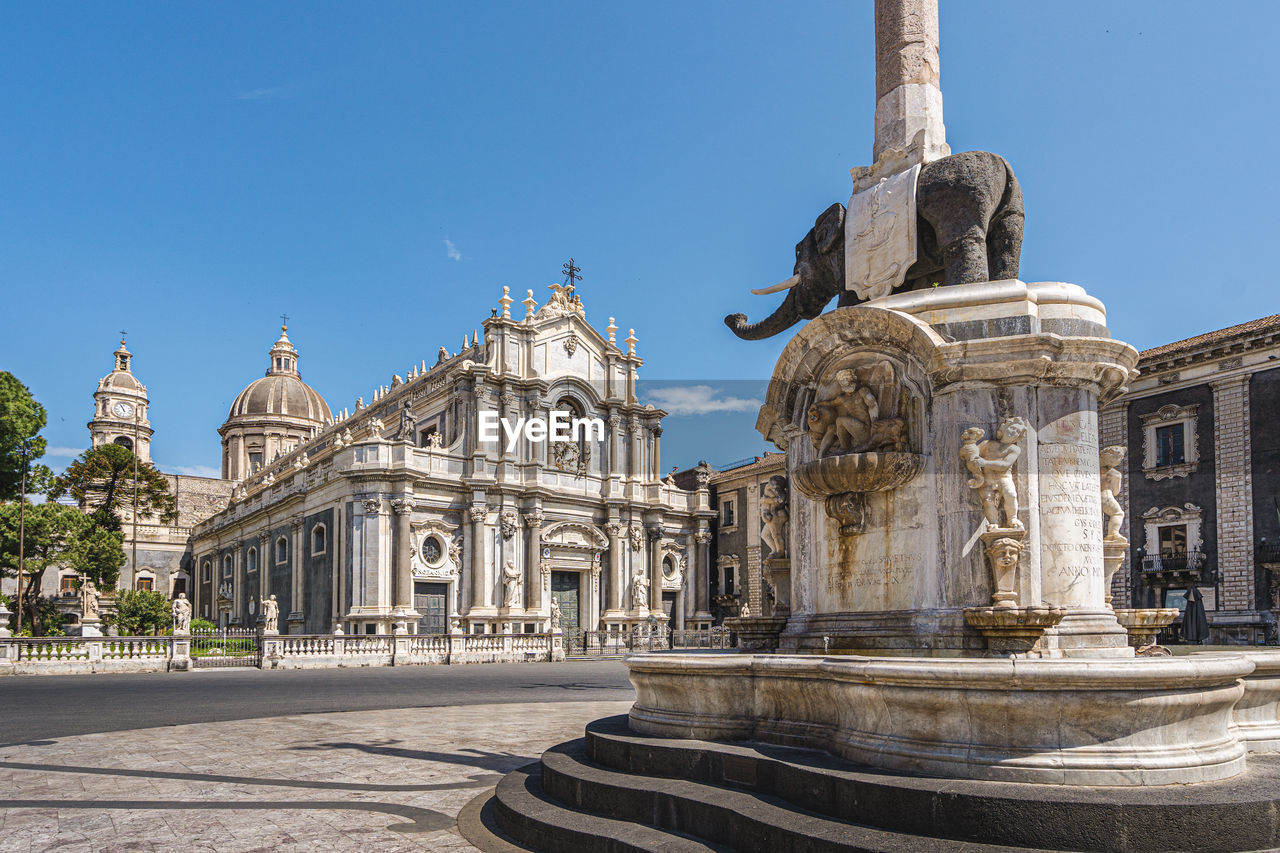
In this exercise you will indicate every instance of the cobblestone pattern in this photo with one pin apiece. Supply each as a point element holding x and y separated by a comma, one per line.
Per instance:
<point>1233,462</point>
<point>369,780</point>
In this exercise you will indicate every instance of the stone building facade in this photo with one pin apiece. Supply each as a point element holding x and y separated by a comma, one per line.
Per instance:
<point>747,499</point>
<point>409,513</point>
<point>1202,494</point>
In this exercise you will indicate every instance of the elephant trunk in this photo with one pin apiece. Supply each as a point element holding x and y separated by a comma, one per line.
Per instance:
<point>784,317</point>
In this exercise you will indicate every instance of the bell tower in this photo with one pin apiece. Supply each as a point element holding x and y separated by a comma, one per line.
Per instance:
<point>120,409</point>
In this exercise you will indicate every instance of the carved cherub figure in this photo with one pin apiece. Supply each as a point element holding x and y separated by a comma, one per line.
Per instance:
<point>774,515</point>
<point>969,454</point>
<point>1110,481</point>
<point>995,459</point>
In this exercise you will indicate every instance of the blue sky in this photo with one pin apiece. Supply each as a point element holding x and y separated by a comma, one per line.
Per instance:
<point>378,171</point>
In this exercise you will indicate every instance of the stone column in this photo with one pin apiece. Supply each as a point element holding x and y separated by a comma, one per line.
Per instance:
<point>657,453</point>
<point>264,564</point>
<point>613,589</point>
<point>654,535</point>
<point>297,609</point>
<point>702,573</point>
<point>1234,474</point>
<point>238,592</point>
<point>403,559</point>
<point>476,514</point>
<point>908,97</point>
<point>533,559</point>
<point>615,434</point>
<point>633,470</point>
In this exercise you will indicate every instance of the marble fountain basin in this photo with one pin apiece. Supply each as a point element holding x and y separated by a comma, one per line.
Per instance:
<point>857,473</point>
<point>1072,721</point>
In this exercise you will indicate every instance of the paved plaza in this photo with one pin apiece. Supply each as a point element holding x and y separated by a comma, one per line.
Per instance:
<point>392,775</point>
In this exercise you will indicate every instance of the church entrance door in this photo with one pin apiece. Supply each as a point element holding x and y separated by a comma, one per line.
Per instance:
<point>429,600</point>
<point>566,591</point>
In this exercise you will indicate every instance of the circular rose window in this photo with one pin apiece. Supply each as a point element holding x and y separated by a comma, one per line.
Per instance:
<point>433,551</point>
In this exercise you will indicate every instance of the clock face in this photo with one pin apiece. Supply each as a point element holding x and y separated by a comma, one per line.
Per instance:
<point>122,410</point>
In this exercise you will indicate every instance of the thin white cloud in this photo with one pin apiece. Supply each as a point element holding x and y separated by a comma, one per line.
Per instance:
<point>451,250</point>
<point>698,400</point>
<point>260,94</point>
<point>63,452</point>
<point>193,470</point>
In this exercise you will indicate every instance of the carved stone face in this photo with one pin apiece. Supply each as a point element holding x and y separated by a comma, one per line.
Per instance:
<point>971,435</point>
<point>1004,555</point>
<point>1011,432</point>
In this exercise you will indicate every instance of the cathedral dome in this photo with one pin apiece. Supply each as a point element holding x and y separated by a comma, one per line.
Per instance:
<point>280,394</point>
<point>272,416</point>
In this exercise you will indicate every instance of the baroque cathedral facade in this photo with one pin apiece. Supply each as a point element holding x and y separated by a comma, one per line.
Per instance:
<point>405,514</point>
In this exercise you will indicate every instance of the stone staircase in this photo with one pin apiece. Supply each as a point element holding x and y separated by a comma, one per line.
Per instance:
<point>614,791</point>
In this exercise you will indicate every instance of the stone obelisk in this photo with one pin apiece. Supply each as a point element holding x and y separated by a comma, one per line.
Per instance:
<point>908,123</point>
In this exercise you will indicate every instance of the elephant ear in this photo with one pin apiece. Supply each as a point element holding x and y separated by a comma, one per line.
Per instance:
<point>829,229</point>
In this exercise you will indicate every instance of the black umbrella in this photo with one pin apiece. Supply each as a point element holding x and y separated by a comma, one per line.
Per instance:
<point>1195,625</point>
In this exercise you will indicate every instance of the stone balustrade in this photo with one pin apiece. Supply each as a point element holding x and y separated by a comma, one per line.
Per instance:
<point>66,655</point>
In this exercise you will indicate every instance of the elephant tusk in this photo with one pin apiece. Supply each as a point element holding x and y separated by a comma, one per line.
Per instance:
<point>779,287</point>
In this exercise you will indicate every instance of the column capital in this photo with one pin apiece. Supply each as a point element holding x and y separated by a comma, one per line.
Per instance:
<point>1227,382</point>
<point>477,512</point>
<point>402,506</point>
<point>295,525</point>
<point>653,532</point>
<point>372,506</point>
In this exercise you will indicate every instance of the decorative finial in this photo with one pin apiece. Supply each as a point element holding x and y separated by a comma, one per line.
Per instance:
<point>631,342</point>
<point>505,302</point>
<point>612,329</point>
<point>529,304</point>
<point>284,322</point>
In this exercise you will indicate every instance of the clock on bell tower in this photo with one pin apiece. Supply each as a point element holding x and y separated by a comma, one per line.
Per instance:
<point>120,409</point>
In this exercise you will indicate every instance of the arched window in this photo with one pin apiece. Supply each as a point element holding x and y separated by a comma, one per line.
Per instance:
<point>251,560</point>
<point>319,539</point>
<point>226,566</point>
<point>124,441</point>
<point>282,549</point>
<point>206,572</point>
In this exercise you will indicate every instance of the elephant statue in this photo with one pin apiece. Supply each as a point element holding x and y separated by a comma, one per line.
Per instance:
<point>969,228</point>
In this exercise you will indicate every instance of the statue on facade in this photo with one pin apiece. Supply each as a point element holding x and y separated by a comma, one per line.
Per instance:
<point>775,516</point>
<point>270,614</point>
<point>991,464</point>
<point>404,432</point>
<point>555,615</point>
<point>1111,480</point>
<point>181,614</point>
<point>511,585</point>
<point>639,591</point>
<point>88,601</point>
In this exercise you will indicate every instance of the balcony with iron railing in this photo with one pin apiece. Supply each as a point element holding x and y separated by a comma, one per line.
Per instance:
<point>1192,564</point>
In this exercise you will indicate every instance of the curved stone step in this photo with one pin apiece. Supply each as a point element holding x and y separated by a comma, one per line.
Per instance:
<point>528,815</point>
<point>1233,815</point>
<point>740,820</point>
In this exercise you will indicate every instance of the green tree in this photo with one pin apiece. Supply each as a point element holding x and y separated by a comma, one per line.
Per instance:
<point>54,535</point>
<point>21,419</point>
<point>102,481</point>
<point>142,612</point>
